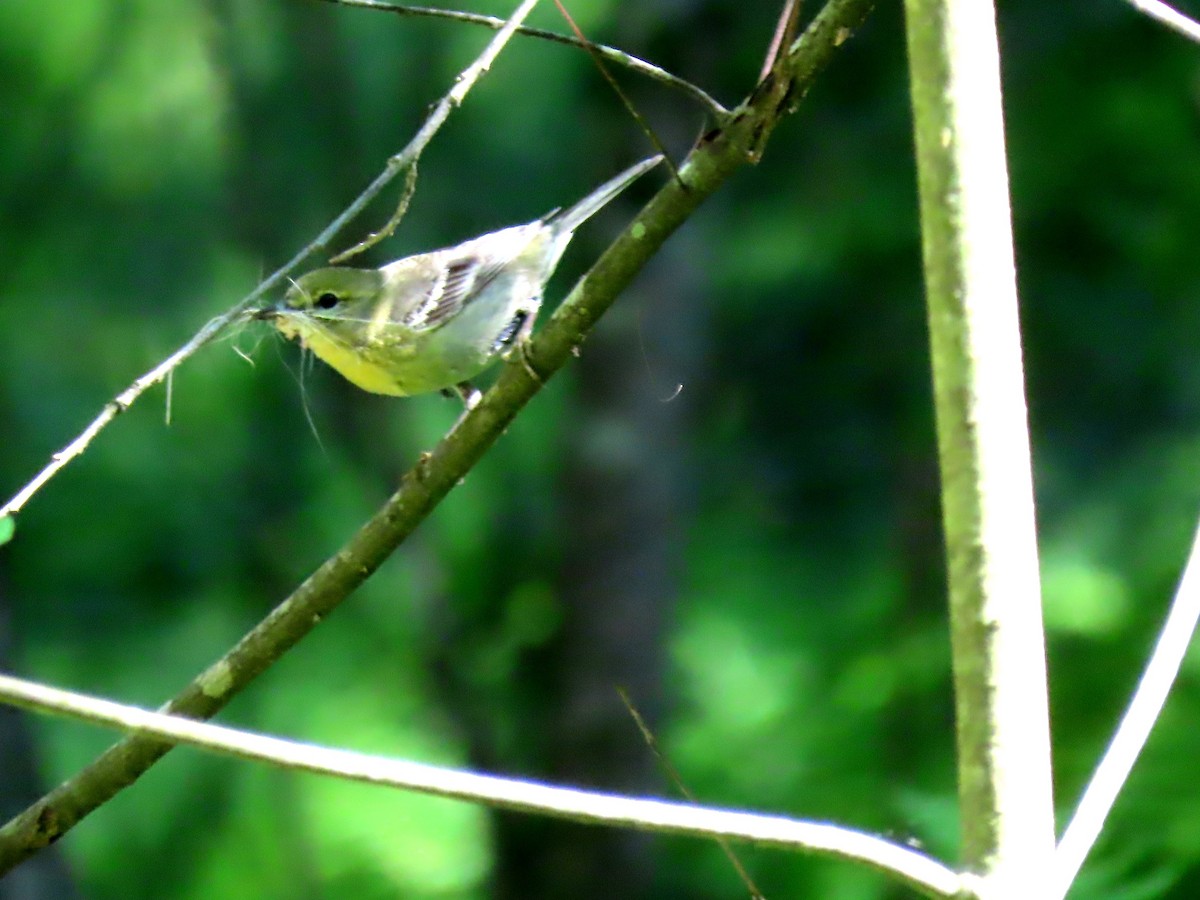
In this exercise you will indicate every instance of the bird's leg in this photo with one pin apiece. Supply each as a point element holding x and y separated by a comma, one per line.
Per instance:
<point>517,329</point>
<point>516,339</point>
<point>522,350</point>
<point>467,393</point>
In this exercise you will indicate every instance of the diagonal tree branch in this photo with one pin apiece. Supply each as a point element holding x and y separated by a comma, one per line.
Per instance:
<point>719,154</point>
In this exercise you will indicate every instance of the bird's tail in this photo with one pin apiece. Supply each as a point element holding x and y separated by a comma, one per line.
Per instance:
<point>567,220</point>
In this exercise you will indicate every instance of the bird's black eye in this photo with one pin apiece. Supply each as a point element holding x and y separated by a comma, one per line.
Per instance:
<point>327,300</point>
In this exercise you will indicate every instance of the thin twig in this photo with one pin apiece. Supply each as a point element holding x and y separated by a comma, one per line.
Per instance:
<point>715,109</point>
<point>915,869</point>
<point>598,59</point>
<point>410,188</point>
<point>785,33</point>
<point>673,774</point>
<point>402,160</point>
<point>1131,735</point>
<point>1177,21</point>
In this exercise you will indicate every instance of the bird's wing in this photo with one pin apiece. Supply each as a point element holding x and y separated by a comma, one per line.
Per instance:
<point>430,289</point>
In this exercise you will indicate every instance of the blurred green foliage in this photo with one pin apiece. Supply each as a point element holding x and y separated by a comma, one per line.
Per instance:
<point>158,158</point>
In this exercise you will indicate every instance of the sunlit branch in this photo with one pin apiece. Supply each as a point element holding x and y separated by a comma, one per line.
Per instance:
<point>997,640</point>
<point>1131,735</point>
<point>902,863</point>
<point>1173,19</point>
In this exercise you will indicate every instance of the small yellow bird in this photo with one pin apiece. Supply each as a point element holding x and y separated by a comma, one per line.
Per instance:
<point>435,320</point>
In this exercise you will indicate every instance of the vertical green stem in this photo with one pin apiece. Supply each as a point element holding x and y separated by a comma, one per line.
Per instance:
<point>1005,788</point>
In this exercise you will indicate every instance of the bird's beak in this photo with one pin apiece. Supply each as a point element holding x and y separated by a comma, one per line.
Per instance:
<point>267,313</point>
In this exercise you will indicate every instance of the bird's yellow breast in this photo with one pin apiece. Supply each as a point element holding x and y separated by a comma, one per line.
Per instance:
<point>354,366</point>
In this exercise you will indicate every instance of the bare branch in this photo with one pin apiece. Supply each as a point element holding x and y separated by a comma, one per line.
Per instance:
<point>1144,709</point>
<point>1177,21</point>
<point>410,188</point>
<point>672,773</point>
<point>785,33</point>
<point>915,869</point>
<point>997,638</point>
<point>598,58</point>
<point>620,57</point>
